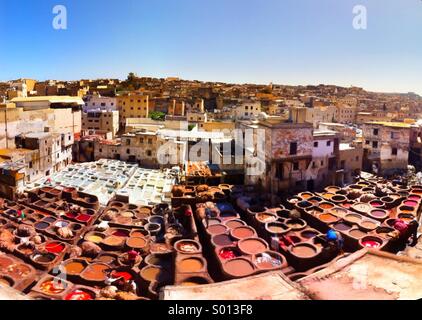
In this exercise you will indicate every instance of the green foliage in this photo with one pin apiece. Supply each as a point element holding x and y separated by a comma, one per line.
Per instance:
<point>157,115</point>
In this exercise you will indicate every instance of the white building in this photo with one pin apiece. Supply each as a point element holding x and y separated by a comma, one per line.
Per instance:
<point>100,103</point>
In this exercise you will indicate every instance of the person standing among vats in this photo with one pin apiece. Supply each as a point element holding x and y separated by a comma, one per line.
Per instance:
<point>403,232</point>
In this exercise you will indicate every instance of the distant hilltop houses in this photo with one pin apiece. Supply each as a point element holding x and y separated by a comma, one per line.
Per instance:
<point>315,135</point>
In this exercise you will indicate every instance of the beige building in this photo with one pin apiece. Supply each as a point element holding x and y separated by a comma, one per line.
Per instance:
<point>349,162</point>
<point>133,106</point>
<point>101,121</point>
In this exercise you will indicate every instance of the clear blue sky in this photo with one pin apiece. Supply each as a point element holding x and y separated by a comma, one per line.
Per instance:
<point>283,41</point>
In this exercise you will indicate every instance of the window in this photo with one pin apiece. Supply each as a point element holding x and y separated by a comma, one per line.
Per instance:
<point>374,144</point>
<point>316,144</point>
<point>149,153</point>
<point>128,142</point>
<point>322,163</point>
<point>293,148</point>
<point>375,132</point>
<point>394,151</point>
<point>367,141</point>
<point>328,143</point>
<point>101,150</point>
<point>357,158</point>
<point>394,135</point>
<point>295,166</point>
<point>128,151</point>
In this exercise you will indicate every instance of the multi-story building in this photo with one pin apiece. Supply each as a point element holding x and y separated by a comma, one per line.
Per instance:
<point>133,106</point>
<point>349,162</point>
<point>93,103</point>
<point>101,121</point>
<point>386,146</point>
<point>246,110</point>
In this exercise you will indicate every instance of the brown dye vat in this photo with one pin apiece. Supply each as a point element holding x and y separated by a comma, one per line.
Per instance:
<point>217,229</point>
<point>295,224</point>
<point>152,273</point>
<point>136,243</point>
<point>253,245</point>
<point>235,223</point>
<point>19,270</point>
<point>107,259</point>
<point>44,258</point>
<point>96,272</point>
<point>114,241</point>
<point>127,214</point>
<point>353,218</point>
<point>327,218</point>
<point>304,250</point>
<point>123,220</point>
<point>406,217</point>
<point>191,265</point>
<point>309,234</point>
<point>195,281</point>
<point>265,217</point>
<point>74,267</point>
<point>136,234</point>
<point>341,226</point>
<point>222,240</point>
<point>357,233</point>
<point>368,225</point>
<point>213,221</point>
<point>276,227</point>
<point>239,267</point>
<point>362,207</point>
<point>243,232</point>
<point>188,246</point>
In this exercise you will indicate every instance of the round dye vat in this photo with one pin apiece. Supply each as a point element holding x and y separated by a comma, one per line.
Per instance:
<point>107,259</point>
<point>71,215</point>
<point>83,218</point>
<point>305,195</point>
<point>295,224</point>
<point>414,197</point>
<point>49,219</point>
<point>18,270</point>
<point>121,233</point>
<point>127,214</point>
<point>122,274</point>
<point>328,218</point>
<point>42,225</point>
<point>239,267</point>
<point>342,226</point>
<point>243,232</point>
<point>191,265</point>
<point>188,246</point>
<point>152,273</point>
<point>44,258</point>
<point>54,247</point>
<point>326,206</point>
<point>222,240</point>
<point>79,295</point>
<point>369,225</point>
<point>74,267</point>
<point>52,287</point>
<point>61,224</point>
<point>94,238</point>
<point>376,203</point>
<point>96,272</point>
<point>213,221</point>
<point>253,245</point>
<point>353,218</point>
<point>378,213</point>
<point>137,234</point>
<point>276,227</point>
<point>371,242</point>
<point>123,220</point>
<point>406,217</point>
<point>136,242</point>
<point>227,254</point>
<point>114,241</point>
<point>266,217</point>
<point>356,233</point>
<point>308,234</point>
<point>304,250</point>
<point>410,203</point>
<point>232,224</point>
<point>217,229</point>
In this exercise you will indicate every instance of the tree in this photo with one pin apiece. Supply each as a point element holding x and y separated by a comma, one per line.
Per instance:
<point>157,115</point>
<point>131,77</point>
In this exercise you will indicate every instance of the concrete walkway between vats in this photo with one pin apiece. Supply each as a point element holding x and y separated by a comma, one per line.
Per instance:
<point>11,294</point>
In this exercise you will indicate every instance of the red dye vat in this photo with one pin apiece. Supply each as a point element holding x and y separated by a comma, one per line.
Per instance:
<point>346,205</point>
<point>227,254</point>
<point>54,247</point>
<point>371,244</point>
<point>83,217</point>
<point>125,275</point>
<point>414,198</point>
<point>71,215</point>
<point>121,233</point>
<point>411,203</point>
<point>79,295</point>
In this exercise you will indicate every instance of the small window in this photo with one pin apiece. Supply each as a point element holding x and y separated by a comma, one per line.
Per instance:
<point>328,143</point>
<point>128,151</point>
<point>295,166</point>
<point>149,153</point>
<point>367,141</point>
<point>374,144</point>
<point>394,151</point>
<point>293,148</point>
<point>375,132</point>
<point>316,144</point>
